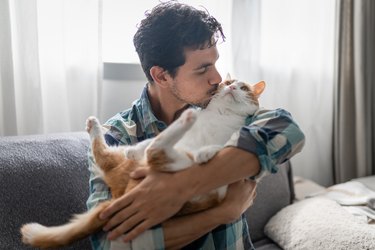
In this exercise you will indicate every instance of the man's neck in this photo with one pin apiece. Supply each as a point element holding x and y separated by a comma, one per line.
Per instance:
<point>164,105</point>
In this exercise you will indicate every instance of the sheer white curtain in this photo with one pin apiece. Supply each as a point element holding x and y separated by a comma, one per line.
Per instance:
<point>50,69</point>
<point>290,45</point>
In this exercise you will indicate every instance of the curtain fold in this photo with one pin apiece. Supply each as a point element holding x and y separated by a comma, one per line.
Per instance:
<point>50,65</point>
<point>291,47</point>
<point>20,68</point>
<point>354,125</point>
<point>7,98</point>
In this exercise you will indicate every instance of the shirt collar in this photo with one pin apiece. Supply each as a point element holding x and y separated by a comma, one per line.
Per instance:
<point>147,113</point>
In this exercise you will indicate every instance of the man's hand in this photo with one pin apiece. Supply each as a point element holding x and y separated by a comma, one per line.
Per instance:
<point>239,198</point>
<point>157,198</point>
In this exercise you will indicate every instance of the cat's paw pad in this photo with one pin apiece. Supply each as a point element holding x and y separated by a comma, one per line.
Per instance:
<point>92,123</point>
<point>188,117</point>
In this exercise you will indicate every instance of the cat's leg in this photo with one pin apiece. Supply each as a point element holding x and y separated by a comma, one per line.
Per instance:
<point>137,151</point>
<point>205,153</point>
<point>161,154</point>
<point>94,129</point>
<point>175,131</point>
<point>105,157</point>
<point>233,139</point>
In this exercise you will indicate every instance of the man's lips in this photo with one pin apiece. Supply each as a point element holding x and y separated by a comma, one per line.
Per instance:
<point>213,91</point>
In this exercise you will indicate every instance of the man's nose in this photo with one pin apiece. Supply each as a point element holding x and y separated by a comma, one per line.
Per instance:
<point>215,78</point>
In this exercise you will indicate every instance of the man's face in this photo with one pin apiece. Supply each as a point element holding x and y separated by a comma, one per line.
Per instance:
<point>197,80</point>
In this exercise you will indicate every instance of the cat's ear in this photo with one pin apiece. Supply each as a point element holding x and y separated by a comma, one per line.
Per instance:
<point>259,88</point>
<point>228,77</point>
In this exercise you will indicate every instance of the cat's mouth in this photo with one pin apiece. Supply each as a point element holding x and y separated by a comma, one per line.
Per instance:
<point>232,96</point>
<point>230,93</point>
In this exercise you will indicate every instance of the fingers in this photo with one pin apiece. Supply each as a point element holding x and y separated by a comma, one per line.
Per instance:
<point>118,218</point>
<point>139,173</point>
<point>126,226</point>
<point>136,231</point>
<point>117,205</point>
<point>251,183</point>
<point>252,188</point>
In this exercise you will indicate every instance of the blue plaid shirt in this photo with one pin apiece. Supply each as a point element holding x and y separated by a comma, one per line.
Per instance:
<point>272,135</point>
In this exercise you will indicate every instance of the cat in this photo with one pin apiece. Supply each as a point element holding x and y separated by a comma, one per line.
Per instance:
<point>195,137</point>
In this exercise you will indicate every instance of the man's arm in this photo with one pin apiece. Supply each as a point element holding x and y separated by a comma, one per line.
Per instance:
<point>271,137</point>
<point>161,194</point>
<point>179,232</point>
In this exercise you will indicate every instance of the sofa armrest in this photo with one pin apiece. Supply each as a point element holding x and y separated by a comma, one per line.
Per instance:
<point>274,192</point>
<point>44,179</point>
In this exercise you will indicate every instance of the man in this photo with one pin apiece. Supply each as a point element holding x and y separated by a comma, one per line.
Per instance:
<point>176,45</point>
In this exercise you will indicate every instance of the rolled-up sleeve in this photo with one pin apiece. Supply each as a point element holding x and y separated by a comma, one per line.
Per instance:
<point>272,135</point>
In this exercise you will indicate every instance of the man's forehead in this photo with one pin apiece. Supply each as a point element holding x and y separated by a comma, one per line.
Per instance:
<point>201,56</point>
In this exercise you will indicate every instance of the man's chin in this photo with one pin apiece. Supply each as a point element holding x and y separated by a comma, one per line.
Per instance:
<point>203,104</point>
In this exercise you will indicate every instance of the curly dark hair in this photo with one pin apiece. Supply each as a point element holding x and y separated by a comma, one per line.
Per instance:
<point>170,28</point>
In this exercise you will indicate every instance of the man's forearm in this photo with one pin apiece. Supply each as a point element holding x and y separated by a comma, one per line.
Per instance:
<point>180,231</point>
<point>229,165</point>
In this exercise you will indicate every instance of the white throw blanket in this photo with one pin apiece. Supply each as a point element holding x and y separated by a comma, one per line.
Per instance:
<point>320,224</point>
<point>353,196</point>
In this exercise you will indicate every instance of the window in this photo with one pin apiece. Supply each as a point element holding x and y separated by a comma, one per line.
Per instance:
<point>120,19</point>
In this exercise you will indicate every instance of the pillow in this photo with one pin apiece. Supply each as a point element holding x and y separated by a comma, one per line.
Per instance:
<point>319,223</point>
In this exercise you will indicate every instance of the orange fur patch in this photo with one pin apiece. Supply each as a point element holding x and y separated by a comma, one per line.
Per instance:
<point>206,202</point>
<point>158,159</point>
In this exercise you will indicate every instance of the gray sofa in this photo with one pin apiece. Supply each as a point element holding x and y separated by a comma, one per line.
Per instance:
<point>44,178</point>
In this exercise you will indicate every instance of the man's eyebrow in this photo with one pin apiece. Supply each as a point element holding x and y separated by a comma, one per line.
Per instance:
<point>203,65</point>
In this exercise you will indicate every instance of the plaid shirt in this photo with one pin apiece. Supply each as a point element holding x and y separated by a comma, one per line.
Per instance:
<point>272,135</point>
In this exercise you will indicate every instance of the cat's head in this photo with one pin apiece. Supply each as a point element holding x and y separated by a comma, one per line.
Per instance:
<point>238,96</point>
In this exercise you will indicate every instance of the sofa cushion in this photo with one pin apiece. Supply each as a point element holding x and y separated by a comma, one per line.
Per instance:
<point>274,192</point>
<point>44,179</point>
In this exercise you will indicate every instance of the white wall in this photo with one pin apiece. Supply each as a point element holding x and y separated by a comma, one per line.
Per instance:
<point>119,95</point>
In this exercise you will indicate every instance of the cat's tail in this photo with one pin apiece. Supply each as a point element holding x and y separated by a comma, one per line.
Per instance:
<point>81,226</point>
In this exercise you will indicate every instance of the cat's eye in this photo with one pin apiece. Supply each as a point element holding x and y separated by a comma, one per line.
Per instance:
<point>227,83</point>
<point>244,88</point>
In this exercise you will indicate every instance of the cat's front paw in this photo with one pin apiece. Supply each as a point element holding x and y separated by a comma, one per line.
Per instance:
<point>93,126</point>
<point>206,153</point>
<point>188,117</point>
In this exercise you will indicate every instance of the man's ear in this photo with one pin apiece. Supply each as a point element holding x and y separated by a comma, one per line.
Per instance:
<point>160,76</point>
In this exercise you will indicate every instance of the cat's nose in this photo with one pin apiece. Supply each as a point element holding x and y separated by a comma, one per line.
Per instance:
<point>232,87</point>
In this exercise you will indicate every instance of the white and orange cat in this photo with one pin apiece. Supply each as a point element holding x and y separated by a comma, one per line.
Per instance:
<point>195,137</point>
